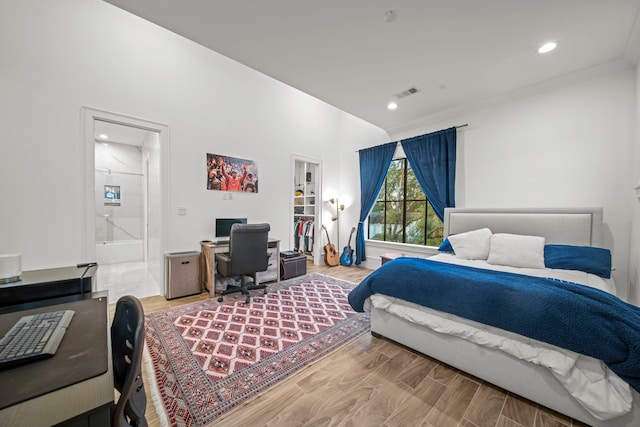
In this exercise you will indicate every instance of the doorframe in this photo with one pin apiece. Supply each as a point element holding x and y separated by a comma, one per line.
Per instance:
<point>89,116</point>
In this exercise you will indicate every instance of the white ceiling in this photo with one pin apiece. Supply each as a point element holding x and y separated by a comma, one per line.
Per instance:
<point>458,53</point>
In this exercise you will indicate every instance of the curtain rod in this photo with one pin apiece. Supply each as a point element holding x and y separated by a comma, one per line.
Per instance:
<point>457,127</point>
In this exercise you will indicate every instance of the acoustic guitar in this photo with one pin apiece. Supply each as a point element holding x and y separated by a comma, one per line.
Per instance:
<point>346,258</point>
<point>330,254</point>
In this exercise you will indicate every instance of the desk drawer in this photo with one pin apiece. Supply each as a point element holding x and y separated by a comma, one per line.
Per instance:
<point>271,273</point>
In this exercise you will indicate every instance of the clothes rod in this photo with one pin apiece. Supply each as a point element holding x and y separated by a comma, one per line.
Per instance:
<point>457,127</point>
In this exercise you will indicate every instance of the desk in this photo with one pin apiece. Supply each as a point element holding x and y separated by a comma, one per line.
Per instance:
<point>75,384</point>
<point>210,249</point>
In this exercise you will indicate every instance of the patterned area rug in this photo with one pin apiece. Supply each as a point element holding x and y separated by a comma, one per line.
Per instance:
<point>209,358</point>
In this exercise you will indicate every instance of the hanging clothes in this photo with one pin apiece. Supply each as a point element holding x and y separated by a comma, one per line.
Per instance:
<point>303,236</point>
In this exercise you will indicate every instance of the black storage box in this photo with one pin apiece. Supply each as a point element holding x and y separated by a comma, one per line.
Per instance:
<point>293,267</point>
<point>289,254</point>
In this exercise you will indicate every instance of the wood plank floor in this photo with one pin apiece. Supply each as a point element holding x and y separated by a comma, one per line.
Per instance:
<point>375,382</point>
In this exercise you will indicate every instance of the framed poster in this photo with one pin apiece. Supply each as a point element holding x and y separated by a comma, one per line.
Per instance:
<point>225,173</point>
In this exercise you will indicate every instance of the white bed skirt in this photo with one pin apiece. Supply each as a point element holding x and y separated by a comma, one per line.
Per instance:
<point>530,381</point>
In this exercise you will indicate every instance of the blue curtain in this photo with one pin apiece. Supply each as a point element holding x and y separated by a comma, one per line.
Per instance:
<point>433,159</point>
<point>374,164</point>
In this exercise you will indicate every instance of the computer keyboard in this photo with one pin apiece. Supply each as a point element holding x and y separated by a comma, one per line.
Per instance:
<point>34,337</point>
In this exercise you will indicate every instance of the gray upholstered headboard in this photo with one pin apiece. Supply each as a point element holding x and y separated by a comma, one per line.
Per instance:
<point>569,226</point>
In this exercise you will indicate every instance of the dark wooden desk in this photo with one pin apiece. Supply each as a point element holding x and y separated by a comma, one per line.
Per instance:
<point>75,384</point>
<point>48,286</point>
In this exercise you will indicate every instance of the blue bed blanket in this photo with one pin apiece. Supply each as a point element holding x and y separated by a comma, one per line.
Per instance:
<point>568,315</point>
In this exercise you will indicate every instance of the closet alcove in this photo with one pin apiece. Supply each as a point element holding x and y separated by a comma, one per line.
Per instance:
<point>306,207</point>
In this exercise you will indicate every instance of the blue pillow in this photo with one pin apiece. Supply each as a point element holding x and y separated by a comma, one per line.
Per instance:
<point>446,247</point>
<point>583,258</point>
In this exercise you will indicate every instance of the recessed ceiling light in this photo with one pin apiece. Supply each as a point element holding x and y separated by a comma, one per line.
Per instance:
<point>103,136</point>
<point>547,47</point>
<point>392,105</point>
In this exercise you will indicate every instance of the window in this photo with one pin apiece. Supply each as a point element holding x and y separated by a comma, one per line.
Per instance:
<point>402,212</point>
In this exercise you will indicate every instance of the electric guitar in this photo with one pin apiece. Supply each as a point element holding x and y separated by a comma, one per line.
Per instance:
<point>330,254</point>
<point>346,258</point>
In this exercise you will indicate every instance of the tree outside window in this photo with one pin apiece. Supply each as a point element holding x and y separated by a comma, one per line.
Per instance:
<point>402,212</point>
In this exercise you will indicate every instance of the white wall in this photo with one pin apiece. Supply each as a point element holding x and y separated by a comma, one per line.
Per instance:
<point>60,56</point>
<point>634,252</point>
<point>567,147</point>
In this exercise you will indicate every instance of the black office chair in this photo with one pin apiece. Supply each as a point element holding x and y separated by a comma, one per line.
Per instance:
<point>247,255</point>
<point>127,341</point>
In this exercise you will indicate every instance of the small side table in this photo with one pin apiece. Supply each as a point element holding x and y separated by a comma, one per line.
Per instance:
<point>386,257</point>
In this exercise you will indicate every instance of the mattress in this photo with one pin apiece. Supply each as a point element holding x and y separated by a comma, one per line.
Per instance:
<point>599,390</point>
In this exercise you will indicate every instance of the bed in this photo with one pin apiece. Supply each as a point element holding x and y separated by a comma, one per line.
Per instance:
<point>562,380</point>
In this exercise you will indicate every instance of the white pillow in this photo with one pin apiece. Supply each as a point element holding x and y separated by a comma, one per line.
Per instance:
<point>517,250</point>
<point>472,244</point>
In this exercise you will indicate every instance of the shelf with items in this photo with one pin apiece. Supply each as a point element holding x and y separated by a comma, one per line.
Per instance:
<point>304,205</point>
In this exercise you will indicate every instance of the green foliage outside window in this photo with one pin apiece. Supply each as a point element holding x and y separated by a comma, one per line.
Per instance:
<point>402,212</point>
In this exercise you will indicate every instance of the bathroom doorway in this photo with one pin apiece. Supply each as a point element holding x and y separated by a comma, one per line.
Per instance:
<point>121,184</point>
<point>125,190</point>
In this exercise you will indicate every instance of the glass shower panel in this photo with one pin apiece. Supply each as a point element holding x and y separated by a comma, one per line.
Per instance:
<point>119,193</point>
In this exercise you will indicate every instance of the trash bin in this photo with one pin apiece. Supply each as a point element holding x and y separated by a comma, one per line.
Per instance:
<point>182,274</point>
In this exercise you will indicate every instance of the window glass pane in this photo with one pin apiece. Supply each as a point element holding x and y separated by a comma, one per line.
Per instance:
<point>435,228</point>
<point>376,222</point>
<point>394,225</point>
<point>395,180</point>
<point>382,193</point>
<point>388,221</point>
<point>414,191</point>
<point>416,222</point>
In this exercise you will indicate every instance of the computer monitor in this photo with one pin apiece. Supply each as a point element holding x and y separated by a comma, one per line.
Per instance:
<point>223,226</point>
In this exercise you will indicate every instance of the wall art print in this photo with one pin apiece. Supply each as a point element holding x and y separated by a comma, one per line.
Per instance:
<point>225,173</point>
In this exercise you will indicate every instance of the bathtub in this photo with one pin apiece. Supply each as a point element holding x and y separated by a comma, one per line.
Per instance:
<point>119,251</point>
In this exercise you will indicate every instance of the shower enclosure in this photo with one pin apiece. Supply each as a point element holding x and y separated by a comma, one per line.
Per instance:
<point>120,182</point>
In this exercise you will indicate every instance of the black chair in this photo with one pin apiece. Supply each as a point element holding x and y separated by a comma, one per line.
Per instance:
<point>127,342</point>
<point>247,255</point>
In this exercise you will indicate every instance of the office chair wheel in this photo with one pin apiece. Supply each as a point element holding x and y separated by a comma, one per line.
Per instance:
<point>220,299</point>
<point>248,299</point>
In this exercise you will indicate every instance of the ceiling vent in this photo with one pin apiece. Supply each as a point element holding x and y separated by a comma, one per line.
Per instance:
<point>407,92</point>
